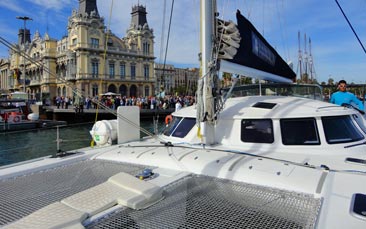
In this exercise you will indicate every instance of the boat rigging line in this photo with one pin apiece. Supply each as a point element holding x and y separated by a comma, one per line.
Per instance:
<point>350,25</point>
<point>321,167</point>
<point>104,57</point>
<point>63,80</point>
<point>167,41</point>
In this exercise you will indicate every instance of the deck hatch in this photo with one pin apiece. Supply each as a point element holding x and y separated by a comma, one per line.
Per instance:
<point>265,105</point>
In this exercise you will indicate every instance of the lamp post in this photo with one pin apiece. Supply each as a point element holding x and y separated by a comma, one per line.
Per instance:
<point>25,19</point>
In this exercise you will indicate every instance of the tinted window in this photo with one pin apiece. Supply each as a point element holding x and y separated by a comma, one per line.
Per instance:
<point>172,125</point>
<point>179,127</point>
<point>359,121</point>
<point>340,129</point>
<point>184,127</point>
<point>299,132</point>
<point>257,130</point>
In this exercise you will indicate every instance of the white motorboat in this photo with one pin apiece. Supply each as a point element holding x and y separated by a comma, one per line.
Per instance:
<point>15,115</point>
<point>261,162</point>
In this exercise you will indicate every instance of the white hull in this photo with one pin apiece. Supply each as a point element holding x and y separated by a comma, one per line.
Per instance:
<point>317,178</point>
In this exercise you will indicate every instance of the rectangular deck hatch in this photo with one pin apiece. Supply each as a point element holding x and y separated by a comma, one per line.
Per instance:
<point>264,105</point>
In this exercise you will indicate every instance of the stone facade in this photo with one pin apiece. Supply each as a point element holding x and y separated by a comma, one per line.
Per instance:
<point>170,79</point>
<point>5,79</point>
<point>88,59</point>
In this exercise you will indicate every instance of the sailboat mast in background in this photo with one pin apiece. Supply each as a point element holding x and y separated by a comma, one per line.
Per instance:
<point>306,62</point>
<point>299,65</point>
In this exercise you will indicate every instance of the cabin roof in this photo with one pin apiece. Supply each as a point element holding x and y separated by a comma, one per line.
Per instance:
<point>273,107</point>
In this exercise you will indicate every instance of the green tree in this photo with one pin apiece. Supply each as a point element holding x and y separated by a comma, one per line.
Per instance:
<point>330,81</point>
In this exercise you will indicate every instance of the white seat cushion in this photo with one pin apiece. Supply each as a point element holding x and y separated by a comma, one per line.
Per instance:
<point>129,182</point>
<point>122,189</point>
<point>98,198</point>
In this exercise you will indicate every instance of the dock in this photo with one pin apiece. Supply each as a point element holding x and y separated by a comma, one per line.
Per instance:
<point>89,115</point>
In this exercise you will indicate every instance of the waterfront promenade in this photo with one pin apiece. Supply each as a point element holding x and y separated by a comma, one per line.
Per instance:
<point>88,115</point>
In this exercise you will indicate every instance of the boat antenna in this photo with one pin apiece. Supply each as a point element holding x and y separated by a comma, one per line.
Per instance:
<point>350,25</point>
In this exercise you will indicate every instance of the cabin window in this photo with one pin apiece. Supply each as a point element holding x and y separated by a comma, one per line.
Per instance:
<point>179,127</point>
<point>360,123</point>
<point>340,129</point>
<point>300,131</point>
<point>257,130</point>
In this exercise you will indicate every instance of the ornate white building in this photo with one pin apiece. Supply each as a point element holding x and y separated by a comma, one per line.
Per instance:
<point>89,58</point>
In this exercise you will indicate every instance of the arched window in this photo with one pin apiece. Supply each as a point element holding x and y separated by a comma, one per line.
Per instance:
<point>133,91</point>
<point>95,90</point>
<point>112,88</point>
<point>147,90</point>
<point>146,48</point>
<point>123,90</point>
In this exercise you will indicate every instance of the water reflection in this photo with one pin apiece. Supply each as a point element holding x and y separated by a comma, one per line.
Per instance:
<point>25,145</point>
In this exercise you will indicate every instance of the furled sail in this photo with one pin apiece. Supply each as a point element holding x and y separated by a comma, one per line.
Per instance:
<point>244,51</point>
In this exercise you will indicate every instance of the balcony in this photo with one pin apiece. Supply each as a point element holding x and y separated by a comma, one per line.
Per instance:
<point>35,83</point>
<point>71,77</point>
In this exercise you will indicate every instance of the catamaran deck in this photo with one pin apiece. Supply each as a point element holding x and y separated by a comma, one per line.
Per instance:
<point>191,202</point>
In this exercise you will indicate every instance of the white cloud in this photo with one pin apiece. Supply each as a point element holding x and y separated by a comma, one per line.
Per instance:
<point>12,5</point>
<point>333,42</point>
<point>56,5</point>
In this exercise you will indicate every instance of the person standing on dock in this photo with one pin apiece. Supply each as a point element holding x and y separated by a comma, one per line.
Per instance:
<point>58,102</point>
<point>66,100</point>
<point>343,97</point>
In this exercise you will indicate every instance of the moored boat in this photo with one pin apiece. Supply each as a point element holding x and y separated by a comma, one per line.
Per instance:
<point>15,114</point>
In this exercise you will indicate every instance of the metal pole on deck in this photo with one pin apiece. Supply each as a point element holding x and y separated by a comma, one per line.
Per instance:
<point>207,19</point>
<point>58,140</point>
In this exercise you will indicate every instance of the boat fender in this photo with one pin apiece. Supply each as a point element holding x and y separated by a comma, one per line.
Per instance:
<point>168,119</point>
<point>33,116</point>
<point>104,132</point>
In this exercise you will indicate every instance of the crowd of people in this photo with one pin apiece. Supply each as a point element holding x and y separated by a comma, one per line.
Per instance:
<point>113,102</point>
<point>341,97</point>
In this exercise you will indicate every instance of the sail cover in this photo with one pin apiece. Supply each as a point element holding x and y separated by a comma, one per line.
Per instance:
<point>253,56</point>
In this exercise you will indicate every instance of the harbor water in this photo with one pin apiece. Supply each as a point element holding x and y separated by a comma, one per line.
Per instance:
<point>26,145</point>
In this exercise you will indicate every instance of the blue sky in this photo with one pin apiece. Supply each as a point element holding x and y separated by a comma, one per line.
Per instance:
<point>335,50</point>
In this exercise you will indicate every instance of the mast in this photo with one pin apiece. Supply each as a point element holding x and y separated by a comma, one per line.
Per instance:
<point>300,56</point>
<point>207,35</point>
<point>306,61</point>
<point>311,63</point>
